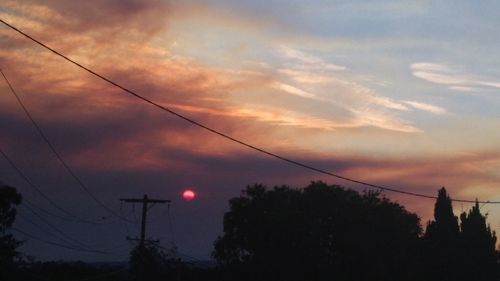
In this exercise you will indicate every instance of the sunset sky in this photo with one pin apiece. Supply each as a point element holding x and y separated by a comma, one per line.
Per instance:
<point>398,93</point>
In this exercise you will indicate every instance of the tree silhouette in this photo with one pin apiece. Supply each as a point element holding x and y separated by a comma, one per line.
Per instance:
<point>478,243</point>
<point>453,253</point>
<point>441,256</point>
<point>148,262</point>
<point>9,198</point>
<point>445,224</point>
<point>317,233</point>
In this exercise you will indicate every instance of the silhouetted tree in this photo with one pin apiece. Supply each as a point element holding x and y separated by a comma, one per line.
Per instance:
<point>445,224</point>
<point>148,262</point>
<point>498,262</point>
<point>441,253</point>
<point>478,244</point>
<point>9,198</point>
<point>317,233</point>
<point>453,253</point>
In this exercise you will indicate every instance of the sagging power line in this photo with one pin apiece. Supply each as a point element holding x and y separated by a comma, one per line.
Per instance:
<point>70,215</point>
<point>60,245</point>
<point>45,226</point>
<point>58,155</point>
<point>228,137</point>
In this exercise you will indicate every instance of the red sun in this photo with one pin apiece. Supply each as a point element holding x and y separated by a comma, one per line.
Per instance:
<point>188,195</point>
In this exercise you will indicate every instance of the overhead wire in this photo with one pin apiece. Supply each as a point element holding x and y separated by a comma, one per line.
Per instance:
<point>136,219</point>
<point>57,154</point>
<point>62,233</point>
<point>67,239</point>
<point>30,206</point>
<point>184,257</point>
<point>25,233</point>
<point>228,137</point>
<point>171,229</point>
<point>43,229</point>
<point>51,214</point>
<point>170,235</point>
<point>39,191</point>
<point>127,230</point>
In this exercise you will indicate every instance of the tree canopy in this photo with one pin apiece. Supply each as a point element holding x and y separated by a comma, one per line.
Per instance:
<point>9,199</point>
<point>319,232</point>
<point>478,243</point>
<point>149,262</point>
<point>316,232</point>
<point>453,252</point>
<point>441,242</point>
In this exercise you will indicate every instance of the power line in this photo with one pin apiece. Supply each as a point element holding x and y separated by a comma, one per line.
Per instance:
<point>214,131</point>
<point>44,230</point>
<point>70,241</point>
<point>127,230</point>
<point>62,233</point>
<point>175,251</point>
<point>30,203</point>
<point>54,151</point>
<point>30,206</point>
<point>170,225</point>
<point>65,236</point>
<point>147,204</point>
<point>33,186</point>
<point>55,243</point>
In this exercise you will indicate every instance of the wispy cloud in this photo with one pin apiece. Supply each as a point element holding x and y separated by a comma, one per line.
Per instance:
<point>293,90</point>
<point>454,79</point>
<point>271,115</point>
<point>427,66</point>
<point>427,107</point>
<point>305,77</point>
<point>329,83</point>
<point>387,103</point>
<point>310,61</point>
<point>462,88</point>
<point>380,119</point>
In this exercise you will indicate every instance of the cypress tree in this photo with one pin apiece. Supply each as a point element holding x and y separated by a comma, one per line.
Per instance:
<point>478,244</point>
<point>441,257</point>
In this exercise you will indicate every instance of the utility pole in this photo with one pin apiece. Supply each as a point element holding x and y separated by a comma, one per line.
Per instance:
<point>147,204</point>
<point>145,208</point>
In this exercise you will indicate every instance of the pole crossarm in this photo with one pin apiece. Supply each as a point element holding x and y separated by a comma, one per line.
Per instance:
<point>145,201</point>
<point>145,240</point>
<point>132,200</point>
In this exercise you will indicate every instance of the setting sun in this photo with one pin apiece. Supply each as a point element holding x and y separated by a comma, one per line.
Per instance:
<point>188,195</point>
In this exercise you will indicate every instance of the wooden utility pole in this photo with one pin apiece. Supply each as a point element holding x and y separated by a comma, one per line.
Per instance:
<point>145,201</point>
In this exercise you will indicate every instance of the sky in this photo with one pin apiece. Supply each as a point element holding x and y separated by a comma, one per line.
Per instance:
<point>396,93</point>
